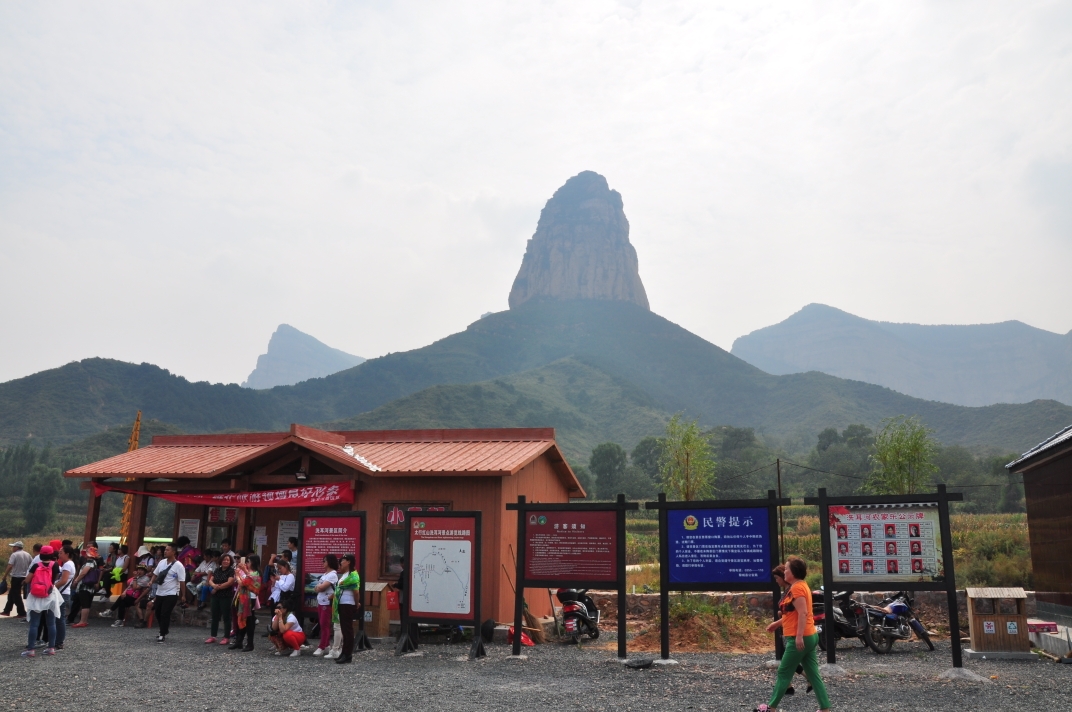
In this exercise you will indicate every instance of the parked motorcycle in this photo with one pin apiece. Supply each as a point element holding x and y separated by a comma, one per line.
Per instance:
<point>579,613</point>
<point>893,620</point>
<point>848,618</point>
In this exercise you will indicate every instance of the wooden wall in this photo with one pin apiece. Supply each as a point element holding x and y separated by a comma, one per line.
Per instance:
<point>1048,491</point>
<point>539,482</point>
<point>464,494</point>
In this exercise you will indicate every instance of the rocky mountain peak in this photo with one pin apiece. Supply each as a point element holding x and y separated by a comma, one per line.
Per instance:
<point>581,248</point>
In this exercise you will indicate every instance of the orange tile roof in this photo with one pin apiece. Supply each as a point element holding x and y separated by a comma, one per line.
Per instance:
<point>378,453</point>
<point>163,460</point>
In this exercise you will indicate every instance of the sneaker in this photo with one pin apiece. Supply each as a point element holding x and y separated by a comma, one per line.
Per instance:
<point>277,653</point>
<point>318,653</point>
<point>29,654</point>
<point>332,655</point>
<point>50,651</point>
<point>117,624</point>
<point>295,654</point>
<point>209,641</point>
<point>160,639</point>
<point>59,646</point>
<point>106,614</point>
<point>41,644</point>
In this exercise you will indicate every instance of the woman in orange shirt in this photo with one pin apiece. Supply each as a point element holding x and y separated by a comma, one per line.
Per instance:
<point>797,623</point>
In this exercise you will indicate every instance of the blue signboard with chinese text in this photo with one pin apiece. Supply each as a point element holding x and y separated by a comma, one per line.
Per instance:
<point>719,545</point>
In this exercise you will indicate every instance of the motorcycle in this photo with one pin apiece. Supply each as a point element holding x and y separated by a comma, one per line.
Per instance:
<point>893,620</point>
<point>847,618</point>
<point>579,613</point>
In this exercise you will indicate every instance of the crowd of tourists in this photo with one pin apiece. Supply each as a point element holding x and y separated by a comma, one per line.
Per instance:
<point>53,590</point>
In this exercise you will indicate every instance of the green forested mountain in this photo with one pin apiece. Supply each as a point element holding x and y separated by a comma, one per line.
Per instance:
<point>585,405</point>
<point>677,370</point>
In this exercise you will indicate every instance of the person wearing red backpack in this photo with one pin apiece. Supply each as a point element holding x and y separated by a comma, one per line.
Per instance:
<point>43,602</point>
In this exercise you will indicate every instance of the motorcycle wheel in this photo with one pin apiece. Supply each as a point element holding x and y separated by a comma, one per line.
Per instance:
<point>593,632</point>
<point>922,634</point>
<point>875,640</point>
<point>822,638</point>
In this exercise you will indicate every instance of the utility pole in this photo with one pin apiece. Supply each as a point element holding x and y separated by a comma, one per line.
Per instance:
<point>781,516</point>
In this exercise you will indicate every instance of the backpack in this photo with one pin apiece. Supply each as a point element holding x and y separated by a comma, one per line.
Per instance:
<point>41,583</point>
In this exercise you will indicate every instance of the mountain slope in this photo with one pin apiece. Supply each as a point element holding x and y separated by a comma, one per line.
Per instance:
<point>974,365</point>
<point>676,369</point>
<point>585,405</point>
<point>294,356</point>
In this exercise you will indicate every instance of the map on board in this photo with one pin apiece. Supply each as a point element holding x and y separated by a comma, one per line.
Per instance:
<point>441,576</point>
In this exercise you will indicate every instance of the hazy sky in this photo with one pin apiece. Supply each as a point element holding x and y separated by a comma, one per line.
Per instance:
<point>176,179</point>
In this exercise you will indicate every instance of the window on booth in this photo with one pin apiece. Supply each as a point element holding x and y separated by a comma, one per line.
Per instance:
<point>395,518</point>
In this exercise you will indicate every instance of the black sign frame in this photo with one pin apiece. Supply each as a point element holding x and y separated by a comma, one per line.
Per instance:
<point>405,642</point>
<point>361,640</point>
<point>771,504</point>
<point>522,508</point>
<point>942,498</point>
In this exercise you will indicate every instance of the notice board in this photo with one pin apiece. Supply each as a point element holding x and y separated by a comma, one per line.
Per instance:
<point>324,533</point>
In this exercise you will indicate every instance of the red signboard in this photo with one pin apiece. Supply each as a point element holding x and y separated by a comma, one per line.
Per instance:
<point>302,496</point>
<point>571,546</point>
<point>323,535</point>
<point>443,564</point>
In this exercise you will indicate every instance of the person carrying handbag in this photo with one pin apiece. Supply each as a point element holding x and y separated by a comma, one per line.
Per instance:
<point>170,576</point>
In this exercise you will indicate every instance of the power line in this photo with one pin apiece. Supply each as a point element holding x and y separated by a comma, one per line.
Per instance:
<point>745,474</point>
<point>825,472</point>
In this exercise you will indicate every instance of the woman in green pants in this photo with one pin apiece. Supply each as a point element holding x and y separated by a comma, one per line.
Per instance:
<point>797,622</point>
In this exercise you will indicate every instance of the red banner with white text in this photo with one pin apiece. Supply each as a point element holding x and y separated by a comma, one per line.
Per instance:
<point>304,496</point>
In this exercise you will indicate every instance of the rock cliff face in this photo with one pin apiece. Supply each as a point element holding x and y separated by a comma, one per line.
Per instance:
<point>581,248</point>
<point>293,357</point>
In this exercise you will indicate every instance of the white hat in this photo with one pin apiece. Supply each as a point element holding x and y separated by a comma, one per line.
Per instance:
<point>142,551</point>
<point>16,544</point>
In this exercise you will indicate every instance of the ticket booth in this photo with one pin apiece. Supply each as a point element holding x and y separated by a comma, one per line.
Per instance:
<point>249,488</point>
<point>997,620</point>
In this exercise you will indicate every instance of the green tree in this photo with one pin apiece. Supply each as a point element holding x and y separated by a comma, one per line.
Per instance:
<point>857,435</point>
<point>608,463</point>
<point>903,457</point>
<point>585,478</point>
<point>39,497</point>
<point>688,467</point>
<point>827,438</point>
<point>647,456</point>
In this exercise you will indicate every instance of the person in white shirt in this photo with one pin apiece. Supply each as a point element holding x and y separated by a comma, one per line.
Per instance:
<point>285,631</point>
<point>67,573</point>
<point>325,592</point>
<point>198,587</point>
<point>283,584</point>
<point>171,574</point>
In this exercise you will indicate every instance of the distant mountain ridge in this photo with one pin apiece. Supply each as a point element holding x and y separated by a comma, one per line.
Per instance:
<point>294,356</point>
<point>594,364</point>
<point>973,365</point>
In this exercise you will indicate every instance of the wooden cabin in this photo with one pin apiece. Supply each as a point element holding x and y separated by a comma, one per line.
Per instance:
<point>392,474</point>
<point>1047,472</point>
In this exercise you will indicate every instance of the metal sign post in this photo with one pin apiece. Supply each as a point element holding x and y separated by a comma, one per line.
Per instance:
<point>725,545</point>
<point>549,537</point>
<point>888,542</point>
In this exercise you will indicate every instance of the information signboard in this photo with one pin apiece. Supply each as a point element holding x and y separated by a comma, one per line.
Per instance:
<point>442,567</point>
<point>884,542</point>
<point>443,575</point>
<point>571,545</point>
<point>892,543</point>
<point>724,545</point>
<point>324,533</point>
<point>716,545</point>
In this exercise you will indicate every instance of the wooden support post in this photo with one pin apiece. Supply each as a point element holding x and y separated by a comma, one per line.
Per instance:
<point>241,542</point>
<point>92,519</point>
<point>138,515</point>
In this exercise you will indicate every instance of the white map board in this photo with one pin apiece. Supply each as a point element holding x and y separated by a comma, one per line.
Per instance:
<point>439,578</point>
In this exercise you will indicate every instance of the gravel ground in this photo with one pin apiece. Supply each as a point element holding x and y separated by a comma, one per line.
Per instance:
<point>125,669</point>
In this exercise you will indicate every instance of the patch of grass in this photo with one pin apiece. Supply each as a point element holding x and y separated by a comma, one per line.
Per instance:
<point>646,576</point>
<point>697,624</point>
